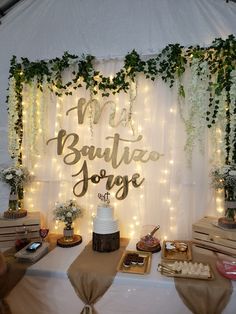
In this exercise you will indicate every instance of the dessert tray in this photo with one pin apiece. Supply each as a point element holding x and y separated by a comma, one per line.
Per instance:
<point>135,262</point>
<point>177,250</point>
<point>186,269</point>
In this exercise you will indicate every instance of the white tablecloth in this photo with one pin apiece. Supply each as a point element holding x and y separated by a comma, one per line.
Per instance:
<point>45,289</point>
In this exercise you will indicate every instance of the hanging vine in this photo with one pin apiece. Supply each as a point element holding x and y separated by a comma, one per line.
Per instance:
<point>169,65</point>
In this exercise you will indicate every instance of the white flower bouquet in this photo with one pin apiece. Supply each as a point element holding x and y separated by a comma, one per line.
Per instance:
<point>15,176</point>
<point>223,177</point>
<point>67,212</point>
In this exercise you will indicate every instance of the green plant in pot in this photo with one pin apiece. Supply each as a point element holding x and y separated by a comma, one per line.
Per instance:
<point>224,177</point>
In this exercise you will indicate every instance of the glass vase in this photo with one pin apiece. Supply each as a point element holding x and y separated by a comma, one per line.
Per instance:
<point>68,234</point>
<point>13,200</point>
<point>23,237</point>
<point>230,203</point>
<point>20,191</point>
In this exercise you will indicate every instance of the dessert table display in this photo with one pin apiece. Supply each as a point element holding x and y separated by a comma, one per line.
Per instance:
<point>46,288</point>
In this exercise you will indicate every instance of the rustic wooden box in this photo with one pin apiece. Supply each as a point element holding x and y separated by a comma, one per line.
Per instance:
<point>11,229</point>
<point>206,232</point>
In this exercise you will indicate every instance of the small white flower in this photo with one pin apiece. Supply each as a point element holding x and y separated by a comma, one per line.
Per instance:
<point>232,173</point>
<point>67,211</point>
<point>9,176</point>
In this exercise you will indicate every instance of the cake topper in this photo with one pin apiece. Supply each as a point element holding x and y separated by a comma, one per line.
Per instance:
<point>104,197</point>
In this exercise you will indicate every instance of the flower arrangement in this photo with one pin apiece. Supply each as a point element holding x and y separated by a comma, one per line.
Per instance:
<point>15,176</point>
<point>67,212</point>
<point>223,177</point>
<point>214,77</point>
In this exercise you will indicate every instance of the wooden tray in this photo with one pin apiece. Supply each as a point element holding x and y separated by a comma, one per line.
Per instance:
<point>188,276</point>
<point>136,269</point>
<point>177,255</point>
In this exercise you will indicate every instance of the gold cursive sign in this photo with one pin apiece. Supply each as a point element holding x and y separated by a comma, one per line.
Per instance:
<point>68,146</point>
<point>114,155</point>
<point>96,110</point>
<point>81,187</point>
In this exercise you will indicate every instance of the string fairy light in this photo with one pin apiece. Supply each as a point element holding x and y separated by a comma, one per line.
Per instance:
<point>85,137</point>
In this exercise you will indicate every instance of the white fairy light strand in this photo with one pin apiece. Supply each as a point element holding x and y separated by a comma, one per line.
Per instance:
<point>193,108</point>
<point>232,114</point>
<point>13,141</point>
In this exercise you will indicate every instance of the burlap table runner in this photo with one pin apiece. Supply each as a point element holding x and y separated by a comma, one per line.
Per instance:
<point>205,296</point>
<point>92,273</point>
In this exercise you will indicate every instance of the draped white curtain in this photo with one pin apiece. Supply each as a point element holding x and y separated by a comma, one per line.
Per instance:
<point>173,194</point>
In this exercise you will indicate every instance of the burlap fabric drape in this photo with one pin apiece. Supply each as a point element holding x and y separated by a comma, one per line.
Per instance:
<point>15,271</point>
<point>92,273</point>
<point>202,296</point>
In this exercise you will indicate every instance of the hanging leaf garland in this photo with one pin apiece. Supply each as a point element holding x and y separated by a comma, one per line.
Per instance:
<point>169,65</point>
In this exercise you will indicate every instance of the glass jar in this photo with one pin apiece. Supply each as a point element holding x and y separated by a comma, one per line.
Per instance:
<point>230,202</point>
<point>13,199</point>
<point>23,237</point>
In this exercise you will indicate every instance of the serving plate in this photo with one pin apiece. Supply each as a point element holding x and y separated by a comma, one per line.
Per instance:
<point>140,268</point>
<point>187,270</point>
<point>177,250</point>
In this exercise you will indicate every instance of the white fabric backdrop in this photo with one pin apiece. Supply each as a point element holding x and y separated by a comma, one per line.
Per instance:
<point>172,195</point>
<point>45,29</point>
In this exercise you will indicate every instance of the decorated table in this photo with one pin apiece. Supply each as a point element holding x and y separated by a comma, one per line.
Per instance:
<point>45,288</point>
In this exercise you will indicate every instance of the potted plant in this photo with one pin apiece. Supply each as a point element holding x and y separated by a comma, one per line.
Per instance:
<point>16,177</point>
<point>224,177</point>
<point>67,212</point>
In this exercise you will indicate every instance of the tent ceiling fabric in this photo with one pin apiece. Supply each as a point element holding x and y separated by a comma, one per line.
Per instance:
<point>108,28</point>
<point>6,5</point>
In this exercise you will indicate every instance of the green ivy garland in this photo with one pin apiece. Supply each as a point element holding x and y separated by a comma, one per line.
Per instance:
<point>169,65</point>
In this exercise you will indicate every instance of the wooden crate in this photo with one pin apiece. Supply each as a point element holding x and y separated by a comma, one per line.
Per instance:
<point>11,229</point>
<point>206,233</point>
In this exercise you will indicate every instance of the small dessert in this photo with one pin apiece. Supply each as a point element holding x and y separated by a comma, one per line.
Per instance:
<point>127,263</point>
<point>170,246</point>
<point>134,260</point>
<point>181,246</point>
<point>140,261</point>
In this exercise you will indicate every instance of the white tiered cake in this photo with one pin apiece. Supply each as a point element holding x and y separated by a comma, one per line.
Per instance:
<point>104,222</point>
<point>106,235</point>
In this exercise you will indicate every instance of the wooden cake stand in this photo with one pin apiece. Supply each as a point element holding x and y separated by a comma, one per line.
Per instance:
<point>15,214</point>
<point>63,242</point>
<point>226,223</point>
